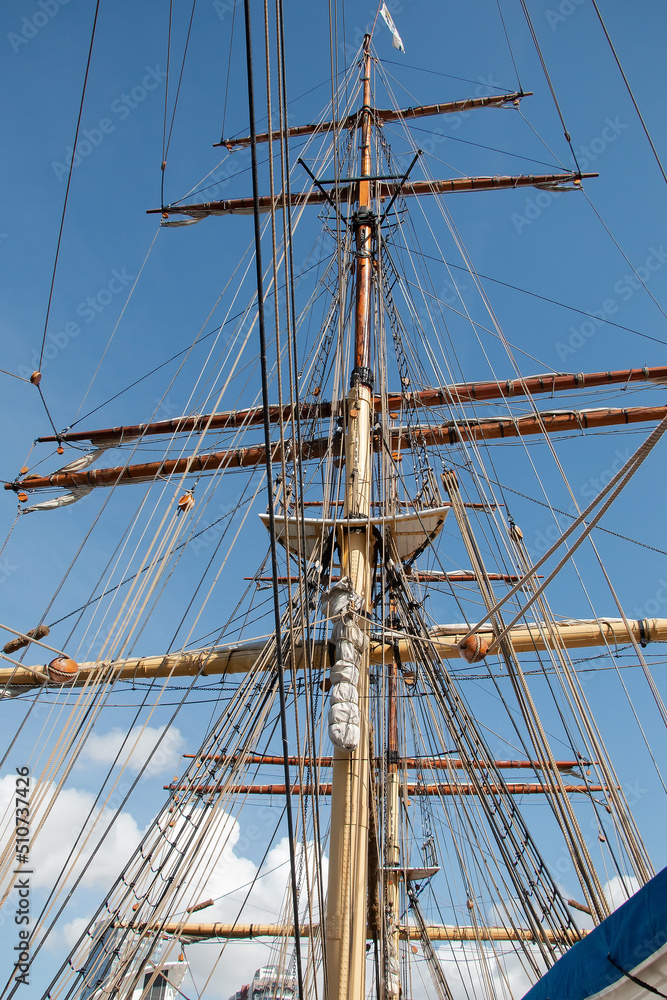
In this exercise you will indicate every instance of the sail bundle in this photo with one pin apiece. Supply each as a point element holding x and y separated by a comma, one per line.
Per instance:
<point>343,605</point>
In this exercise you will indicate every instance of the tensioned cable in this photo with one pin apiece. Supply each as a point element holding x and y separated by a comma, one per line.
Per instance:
<point>48,412</point>
<point>598,527</point>
<point>535,295</point>
<point>433,72</point>
<point>632,96</point>
<point>295,408</point>
<point>509,45</point>
<point>271,510</point>
<point>129,579</point>
<point>229,69</point>
<point>117,324</point>
<point>180,80</point>
<point>623,254</point>
<point>610,492</point>
<point>69,181</point>
<point>479,145</point>
<point>549,83</point>
<point>166,100</point>
<point>13,375</point>
<point>185,350</point>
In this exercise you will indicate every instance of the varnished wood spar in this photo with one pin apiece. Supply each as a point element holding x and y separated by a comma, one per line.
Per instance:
<point>253,416</point>
<point>382,115</point>
<point>436,932</point>
<point>239,659</point>
<point>383,189</point>
<point>324,788</point>
<point>419,763</point>
<point>491,429</point>
<point>461,392</point>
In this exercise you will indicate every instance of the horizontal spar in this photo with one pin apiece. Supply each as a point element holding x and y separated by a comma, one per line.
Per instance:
<point>324,788</point>
<point>421,576</point>
<point>422,763</point>
<point>407,932</point>
<point>146,472</point>
<point>461,392</point>
<point>449,433</point>
<point>379,115</point>
<point>544,422</point>
<point>245,206</point>
<point>443,641</point>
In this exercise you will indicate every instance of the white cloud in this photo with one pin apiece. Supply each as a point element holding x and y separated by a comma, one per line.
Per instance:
<point>70,812</point>
<point>224,873</point>
<point>619,889</point>
<point>72,931</point>
<point>135,749</point>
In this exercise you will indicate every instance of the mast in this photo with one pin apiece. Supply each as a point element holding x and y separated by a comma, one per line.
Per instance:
<point>345,934</point>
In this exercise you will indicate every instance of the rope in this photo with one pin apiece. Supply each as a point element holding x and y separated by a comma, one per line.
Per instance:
<point>271,511</point>
<point>549,83</point>
<point>113,333</point>
<point>526,291</point>
<point>632,96</point>
<point>69,181</point>
<point>509,46</point>
<point>166,100</point>
<point>617,484</point>
<point>229,70</point>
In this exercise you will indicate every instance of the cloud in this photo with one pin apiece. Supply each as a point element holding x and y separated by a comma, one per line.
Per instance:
<point>619,889</point>
<point>223,871</point>
<point>69,815</point>
<point>236,964</point>
<point>135,749</point>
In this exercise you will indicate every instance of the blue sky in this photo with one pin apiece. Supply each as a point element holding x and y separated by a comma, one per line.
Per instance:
<point>554,245</point>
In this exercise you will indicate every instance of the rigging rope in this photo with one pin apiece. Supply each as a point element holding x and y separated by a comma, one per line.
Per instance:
<point>69,181</point>
<point>272,522</point>
<point>629,89</point>
<point>549,83</point>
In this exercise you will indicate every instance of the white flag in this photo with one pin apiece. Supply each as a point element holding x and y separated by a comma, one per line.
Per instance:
<point>396,40</point>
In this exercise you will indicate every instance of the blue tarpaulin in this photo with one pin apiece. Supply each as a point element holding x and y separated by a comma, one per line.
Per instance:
<point>631,935</point>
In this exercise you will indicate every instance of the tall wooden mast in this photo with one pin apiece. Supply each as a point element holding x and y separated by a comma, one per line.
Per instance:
<point>348,849</point>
